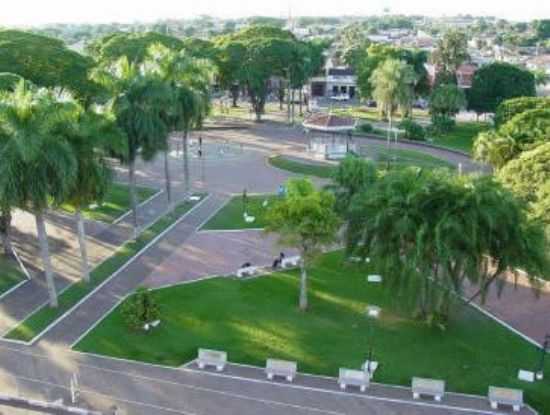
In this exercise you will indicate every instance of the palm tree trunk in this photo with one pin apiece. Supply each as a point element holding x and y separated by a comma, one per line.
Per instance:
<point>288,101</point>
<point>167,178</point>
<point>85,269</point>
<point>292,105</point>
<point>301,98</point>
<point>186,177</point>
<point>303,285</point>
<point>5,234</point>
<point>46,260</point>
<point>133,195</point>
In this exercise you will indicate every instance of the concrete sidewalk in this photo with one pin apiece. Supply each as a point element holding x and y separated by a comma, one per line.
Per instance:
<point>138,388</point>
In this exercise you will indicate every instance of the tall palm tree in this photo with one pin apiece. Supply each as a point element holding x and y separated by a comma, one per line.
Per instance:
<point>138,100</point>
<point>91,136</point>
<point>37,167</point>
<point>189,102</point>
<point>393,82</point>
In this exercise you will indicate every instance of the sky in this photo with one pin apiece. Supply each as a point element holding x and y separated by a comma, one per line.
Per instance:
<point>37,12</point>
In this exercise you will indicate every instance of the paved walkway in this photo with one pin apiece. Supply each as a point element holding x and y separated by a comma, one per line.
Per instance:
<point>140,389</point>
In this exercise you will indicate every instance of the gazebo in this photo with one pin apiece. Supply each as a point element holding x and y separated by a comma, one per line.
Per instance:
<point>330,135</point>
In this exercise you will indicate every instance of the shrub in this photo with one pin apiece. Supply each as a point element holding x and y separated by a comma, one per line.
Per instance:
<point>413,130</point>
<point>140,308</point>
<point>512,107</point>
<point>366,127</point>
<point>442,123</point>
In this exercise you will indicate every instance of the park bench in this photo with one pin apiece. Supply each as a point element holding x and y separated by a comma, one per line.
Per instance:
<point>505,396</point>
<point>356,258</point>
<point>428,387</point>
<point>247,271</point>
<point>291,262</point>
<point>212,358</point>
<point>374,278</point>
<point>353,377</point>
<point>283,368</point>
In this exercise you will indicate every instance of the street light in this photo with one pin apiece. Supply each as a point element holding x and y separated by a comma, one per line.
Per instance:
<point>372,313</point>
<point>544,349</point>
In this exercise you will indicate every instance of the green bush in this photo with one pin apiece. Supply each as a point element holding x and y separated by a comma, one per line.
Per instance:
<point>512,107</point>
<point>442,124</point>
<point>413,130</point>
<point>140,309</point>
<point>366,128</point>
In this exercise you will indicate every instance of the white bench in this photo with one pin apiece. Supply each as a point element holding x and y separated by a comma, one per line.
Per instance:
<point>212,358</point>
<point>247,271</point>
<point>505,396</point>
<point>356,258</point>
<point>428,387</point>
<point>284,368</point>
<point>291,262</point>
<point>353,377</point>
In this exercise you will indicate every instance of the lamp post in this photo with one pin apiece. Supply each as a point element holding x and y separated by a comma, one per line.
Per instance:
<point>545,348</point>
<point>372,313</point>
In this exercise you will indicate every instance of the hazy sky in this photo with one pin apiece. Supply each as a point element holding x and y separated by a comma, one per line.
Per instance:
<point>31,12</point>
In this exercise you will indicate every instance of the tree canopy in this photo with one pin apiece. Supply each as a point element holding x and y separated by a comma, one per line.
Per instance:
<point>435,231</point>
<point>46,62</point>
<point>514,106</point>
<point>451,51</point>
<point>497,82</point>
<point>133,46</point>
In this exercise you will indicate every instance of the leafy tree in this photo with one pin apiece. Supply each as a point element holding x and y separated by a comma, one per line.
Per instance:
<point>37,167</point>
<point>434,231</point>
<point>138,101</point>
<point>527,175</point>
<point>495,149</point>
<point>393,84</point>
<point>140,309</point>
<point>528,128</point>
<point>47,62</point>
<point>353,176</point>
<point>304,219</point>
<point>9,81</point>
<point>451,51</point>
<point>92,137</point>
<point>514,106</point>
<point>187,101</point>
<point>497,82</point>
<point>378,53</point>
<point>447,100</point>
<point>542,28</point>
<point>133,46</point>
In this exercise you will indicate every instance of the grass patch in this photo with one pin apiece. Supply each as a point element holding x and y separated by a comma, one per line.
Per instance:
<point>258,318</point>
<point>230,216</point>
<point>46,315</point>
<point>308,169</point>
<point>10,274</point>
<point>397,158</point>
<point>462,137</point>
<point>405,158</point>
<point>116,203</point>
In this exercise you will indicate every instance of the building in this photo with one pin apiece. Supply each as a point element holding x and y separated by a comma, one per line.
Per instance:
<point>338,81</point>
<point>464,74</point>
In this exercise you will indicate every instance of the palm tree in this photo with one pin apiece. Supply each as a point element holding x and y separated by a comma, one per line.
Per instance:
<point>138,101</point>
<point>393,82</point>
<point>91,136</point>
<point>37,167</point>
<point>189,102</point>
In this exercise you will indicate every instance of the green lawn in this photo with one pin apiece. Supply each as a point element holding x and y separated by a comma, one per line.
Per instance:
<point>379,153</point>
<point>116,203</point>
<point>308,169</point>
<point>10,274</point>
<point>462,137</point>
<point>230,217</point>
<point>258,318</point>
<point>46,315</point>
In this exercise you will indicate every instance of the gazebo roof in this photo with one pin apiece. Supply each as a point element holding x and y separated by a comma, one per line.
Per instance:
<point>329,122</point>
